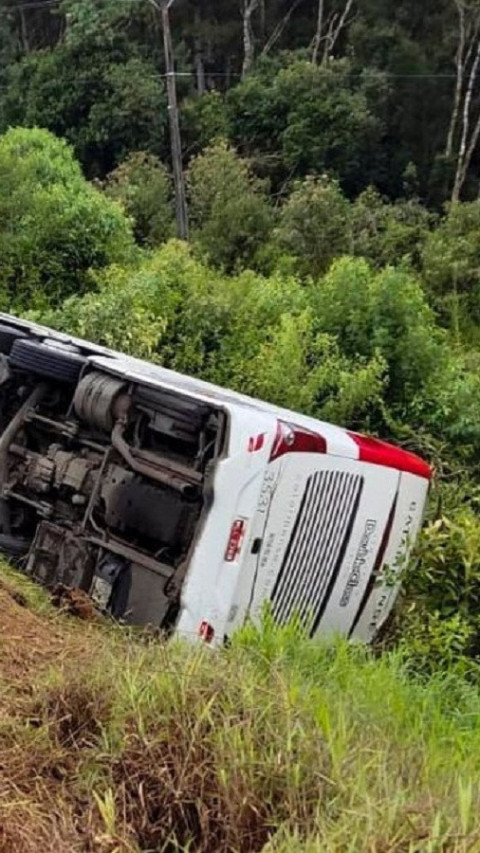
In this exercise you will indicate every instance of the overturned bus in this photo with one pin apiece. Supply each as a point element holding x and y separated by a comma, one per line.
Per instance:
<point>182,505</point>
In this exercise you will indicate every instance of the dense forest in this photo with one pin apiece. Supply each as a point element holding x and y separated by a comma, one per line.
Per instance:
<point>371,92</point>
<point>331,159</point>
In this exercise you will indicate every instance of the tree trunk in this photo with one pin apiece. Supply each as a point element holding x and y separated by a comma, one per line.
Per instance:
<point>465,151</point>
<point>329,28</point>
<point>24,31</point>
<point>464,166</point>
<point>460,66</point>
<point>198,52</point>
<point>464,128</point>
<point>318,34</point>
<point>178,179</point>
<point>338,22</point>
<point>249,7</point>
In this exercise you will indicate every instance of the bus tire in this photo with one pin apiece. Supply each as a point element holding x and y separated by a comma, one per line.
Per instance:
<point>8,336</point>
<point>49,362</point>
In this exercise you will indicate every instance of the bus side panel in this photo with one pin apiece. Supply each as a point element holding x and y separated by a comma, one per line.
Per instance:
<point>407,523</point>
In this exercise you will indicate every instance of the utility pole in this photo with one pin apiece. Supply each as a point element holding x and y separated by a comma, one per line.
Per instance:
<point>175,142</point>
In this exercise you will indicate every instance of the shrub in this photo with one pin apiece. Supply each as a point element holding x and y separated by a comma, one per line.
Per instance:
<point>383,313</point>
<point>54,227</point>
<point>203,119</point>
<point>91,91</point>
<point>314,226</point>
<point>386,233</point>
<point>143,186</point>
<point>230,215</point>
<point>255,334</point>
<point>297,118</point>
<point>451,265</point>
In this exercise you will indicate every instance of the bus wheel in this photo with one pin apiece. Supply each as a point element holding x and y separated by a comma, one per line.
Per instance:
<point>8,336</point>
<point>49,360</point>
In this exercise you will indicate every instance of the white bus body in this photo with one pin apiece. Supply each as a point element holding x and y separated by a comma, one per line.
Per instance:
<point>174,502</point>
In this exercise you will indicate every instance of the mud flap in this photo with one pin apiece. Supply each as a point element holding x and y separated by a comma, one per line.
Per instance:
<point>111,584</point>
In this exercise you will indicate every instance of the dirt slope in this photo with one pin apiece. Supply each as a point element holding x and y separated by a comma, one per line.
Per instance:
<point>37,811</point>
<point>27,641</point>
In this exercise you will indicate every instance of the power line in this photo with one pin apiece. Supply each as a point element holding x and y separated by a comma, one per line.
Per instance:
<point>343,76</point>
<point>36,4</point>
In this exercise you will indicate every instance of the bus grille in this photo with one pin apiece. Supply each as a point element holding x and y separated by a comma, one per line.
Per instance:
<point>316,547</point>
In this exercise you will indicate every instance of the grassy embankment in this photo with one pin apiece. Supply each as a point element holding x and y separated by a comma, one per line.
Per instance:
<point>110,742</point>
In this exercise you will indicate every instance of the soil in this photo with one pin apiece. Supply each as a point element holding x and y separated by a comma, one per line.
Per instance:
<point>30,642</point>
<point>43,813</point>
<point>27,641</point>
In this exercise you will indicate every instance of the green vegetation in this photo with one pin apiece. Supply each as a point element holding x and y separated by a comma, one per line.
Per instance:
<point>229,211</point>
<point>276,744</point>
<point>333,267</point>
<point>363,90</point>
<point>55,227</point>
<point>340,309</point>
<point>142,184</point>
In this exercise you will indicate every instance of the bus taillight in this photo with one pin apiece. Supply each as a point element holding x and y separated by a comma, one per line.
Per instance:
<point>294,439</point>
<point>206,631</point>
<point>381,453</point>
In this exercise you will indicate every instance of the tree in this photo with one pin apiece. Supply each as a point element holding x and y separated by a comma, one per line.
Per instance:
<point>181,213</point>
<point>404,50</point>
<point>94,89</point>
<point>203,120</point>
<point>231,217</point>
<point>248,8</point>
<point>294,118</point>
<point>387,233</point>
<point>451,263</point>
<point>94,72</point>
<point>119,313</point>
<point>54,227</point>
<point>328,30</point>
<point>27,27</point>
<point>279,18</point>
<point>248,332</point>
<point>143,185</point>
<point>464,128</point>
<point>314,225</point>
<point>383,314</point>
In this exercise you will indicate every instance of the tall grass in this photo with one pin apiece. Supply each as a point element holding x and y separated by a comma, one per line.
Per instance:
<point>277,743</point>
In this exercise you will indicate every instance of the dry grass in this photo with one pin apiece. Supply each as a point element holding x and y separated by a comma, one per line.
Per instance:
<point>110,743</point>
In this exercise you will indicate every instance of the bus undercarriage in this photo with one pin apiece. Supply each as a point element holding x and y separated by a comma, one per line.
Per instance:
<point>103,482</point>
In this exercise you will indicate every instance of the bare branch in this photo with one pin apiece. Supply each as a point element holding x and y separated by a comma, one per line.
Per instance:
<point>463,171</point>
<point>278,31</point>
<point>328,30</point>
<point>341,23</point>
<point>468,100</point>
<point>328,39</point>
